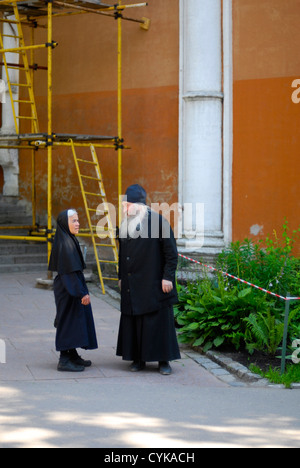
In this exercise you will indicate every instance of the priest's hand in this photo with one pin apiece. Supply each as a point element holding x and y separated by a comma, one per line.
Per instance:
<point>86,300</point>
<point>167,286</point>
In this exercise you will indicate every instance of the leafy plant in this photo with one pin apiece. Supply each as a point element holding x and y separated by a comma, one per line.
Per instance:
<point>272,267</point>
<point>267,332</point>
<point>213,315</point>
<point>291,375</point>
<point>215,311</point>
<point>287,243</point>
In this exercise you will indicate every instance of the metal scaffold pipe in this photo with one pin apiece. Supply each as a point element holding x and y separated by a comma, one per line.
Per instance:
<point>49,223</point>
<point>22,13</point>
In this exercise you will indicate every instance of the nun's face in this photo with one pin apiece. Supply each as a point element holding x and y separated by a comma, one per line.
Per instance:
<point>74,224</point>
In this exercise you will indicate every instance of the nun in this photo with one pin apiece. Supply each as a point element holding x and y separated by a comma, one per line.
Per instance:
<point>147,265</point>
<point>74,318</point>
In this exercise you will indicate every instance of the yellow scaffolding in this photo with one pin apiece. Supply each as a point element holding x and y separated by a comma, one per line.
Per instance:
<point>21,13</point>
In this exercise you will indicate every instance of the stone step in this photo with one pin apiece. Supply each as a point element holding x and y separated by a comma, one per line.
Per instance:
<point>14,268</point>
<point>17,219</point>
<point>23,268</point>
<point>17,255</point>
<point>20,257</point>
<point>22,249</point>
<point>14,212</point>
<point>23,259</point>
<point>12,205</point>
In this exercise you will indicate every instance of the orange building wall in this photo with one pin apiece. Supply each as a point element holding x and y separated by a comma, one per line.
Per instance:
<point>85,102</point>
<point>266,138</point>
<point>266,122</point>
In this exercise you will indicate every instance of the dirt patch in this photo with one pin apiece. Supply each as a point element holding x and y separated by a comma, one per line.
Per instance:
<point>261,360</point>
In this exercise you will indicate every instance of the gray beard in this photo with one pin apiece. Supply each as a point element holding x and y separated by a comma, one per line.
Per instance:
<point>133,226</point>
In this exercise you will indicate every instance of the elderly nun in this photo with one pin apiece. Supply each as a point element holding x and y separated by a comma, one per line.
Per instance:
<point>74,319</point>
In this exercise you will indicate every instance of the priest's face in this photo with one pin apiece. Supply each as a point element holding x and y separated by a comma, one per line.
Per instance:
<point>130,209</point>
<point>74,224</point>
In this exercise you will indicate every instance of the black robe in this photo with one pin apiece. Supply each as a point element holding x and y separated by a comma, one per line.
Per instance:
<point>143,263</point>
<point>74,322</point>
<point>147,329</point>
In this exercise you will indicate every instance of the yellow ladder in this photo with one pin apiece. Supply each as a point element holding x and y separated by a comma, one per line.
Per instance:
<point>23,66</point>
<point>106,230</point>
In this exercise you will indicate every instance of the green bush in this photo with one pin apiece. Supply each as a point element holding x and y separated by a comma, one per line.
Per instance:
<point>273,267</point>
<point>219,311</point>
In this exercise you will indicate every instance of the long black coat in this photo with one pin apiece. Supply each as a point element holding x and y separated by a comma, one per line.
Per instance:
<point>74,321</point>
<point>143,263</point>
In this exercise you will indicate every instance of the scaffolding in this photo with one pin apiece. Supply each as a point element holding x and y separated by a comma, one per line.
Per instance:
<point>21,14</point>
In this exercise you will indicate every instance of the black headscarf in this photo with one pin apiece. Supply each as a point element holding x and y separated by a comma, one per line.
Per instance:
<point>66,256</point>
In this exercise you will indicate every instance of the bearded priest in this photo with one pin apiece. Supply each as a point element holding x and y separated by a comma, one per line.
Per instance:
<point>147,265</point>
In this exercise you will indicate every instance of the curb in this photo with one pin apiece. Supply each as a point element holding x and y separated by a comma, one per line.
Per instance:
<point>231,372</point>
<point>242,372</point>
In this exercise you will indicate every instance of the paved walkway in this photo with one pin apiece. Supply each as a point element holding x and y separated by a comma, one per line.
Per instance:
<point>107,406</point>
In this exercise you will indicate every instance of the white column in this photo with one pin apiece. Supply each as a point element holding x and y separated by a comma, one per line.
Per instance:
<point>9,159</point>
<point>227,120</point>
<point>201,122</point>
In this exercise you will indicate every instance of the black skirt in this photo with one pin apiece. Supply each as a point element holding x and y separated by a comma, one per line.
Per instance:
<point>149,337</point>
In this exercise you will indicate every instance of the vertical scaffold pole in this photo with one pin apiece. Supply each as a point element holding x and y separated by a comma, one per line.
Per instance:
<point>49,144</point>
<point>120,130</point>
<point>33,191</point>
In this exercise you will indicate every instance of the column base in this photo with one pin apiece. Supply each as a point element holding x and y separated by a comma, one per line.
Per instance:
<point>211,243</point>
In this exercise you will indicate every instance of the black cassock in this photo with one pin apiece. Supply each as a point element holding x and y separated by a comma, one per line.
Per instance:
<point>74,322</point>
<point>147,330</point>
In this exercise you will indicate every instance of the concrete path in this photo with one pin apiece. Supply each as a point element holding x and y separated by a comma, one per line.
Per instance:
<point>109,407</point>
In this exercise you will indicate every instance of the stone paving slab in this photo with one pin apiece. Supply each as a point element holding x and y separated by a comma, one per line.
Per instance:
<point>199,405</point>
<point>26,326</point>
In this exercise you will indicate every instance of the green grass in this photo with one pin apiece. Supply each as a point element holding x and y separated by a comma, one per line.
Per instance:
<point>291,375</point>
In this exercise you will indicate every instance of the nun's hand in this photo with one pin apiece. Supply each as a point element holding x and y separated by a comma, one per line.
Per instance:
<point>86,300</point>
<point>167,286</point>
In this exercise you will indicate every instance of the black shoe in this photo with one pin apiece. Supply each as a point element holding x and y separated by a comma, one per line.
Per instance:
<point>165,368</point>
<point>76,359</point>
<point>137,366</point>
<point>66,365</point>
<point>81,362</point>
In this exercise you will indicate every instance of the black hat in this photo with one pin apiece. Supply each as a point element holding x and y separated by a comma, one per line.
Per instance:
<point>136,194</point>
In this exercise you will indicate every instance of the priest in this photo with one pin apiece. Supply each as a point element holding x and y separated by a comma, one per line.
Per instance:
<point>147,265</point>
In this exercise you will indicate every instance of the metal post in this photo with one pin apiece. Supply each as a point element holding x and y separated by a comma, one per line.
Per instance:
<point>49,149</point>
<point>285,333</point>
<point>33,192</point>
<point>120,113</point>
